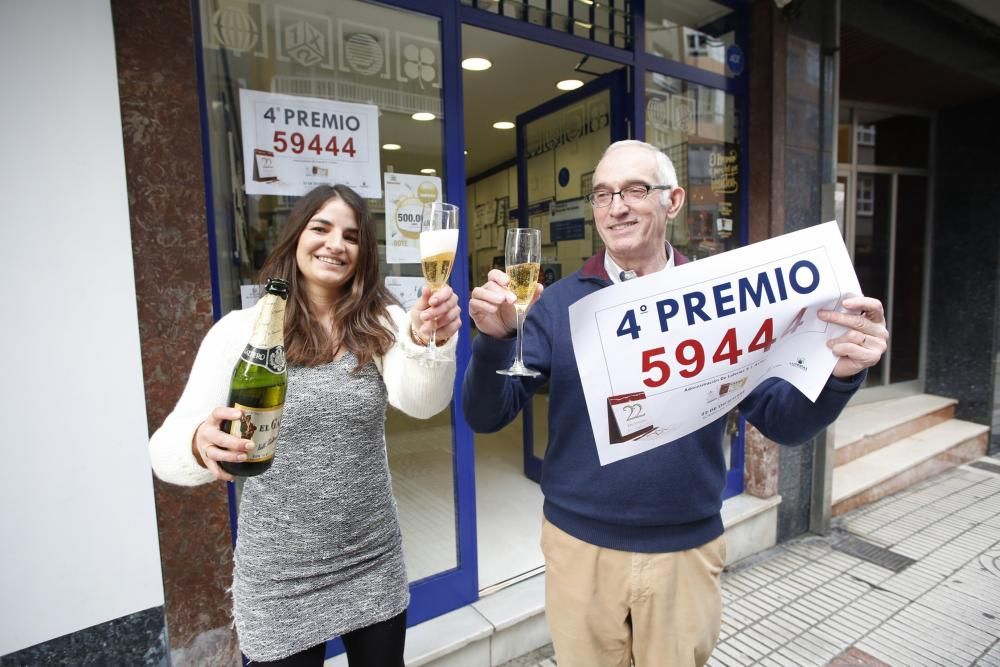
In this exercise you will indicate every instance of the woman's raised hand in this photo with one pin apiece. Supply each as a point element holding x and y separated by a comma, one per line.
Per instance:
<point>438,309</point>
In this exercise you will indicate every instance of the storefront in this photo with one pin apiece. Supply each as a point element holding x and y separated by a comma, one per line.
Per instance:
<point>568,78</point>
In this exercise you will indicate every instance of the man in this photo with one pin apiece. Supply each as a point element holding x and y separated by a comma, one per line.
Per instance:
<point>634,549</point>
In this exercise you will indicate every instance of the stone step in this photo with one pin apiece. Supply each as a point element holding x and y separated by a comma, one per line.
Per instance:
<point>511,622</point>
<point>863,429</point>
<point>906,462</point>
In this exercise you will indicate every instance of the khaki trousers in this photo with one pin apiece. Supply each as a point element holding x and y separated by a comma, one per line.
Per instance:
<point>606,608</point>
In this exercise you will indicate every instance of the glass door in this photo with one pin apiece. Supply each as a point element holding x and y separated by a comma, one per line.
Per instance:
<point>883,171</point>
<point>558,146</point>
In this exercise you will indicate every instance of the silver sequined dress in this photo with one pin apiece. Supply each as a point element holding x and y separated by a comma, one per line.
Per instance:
<point>319,551</point>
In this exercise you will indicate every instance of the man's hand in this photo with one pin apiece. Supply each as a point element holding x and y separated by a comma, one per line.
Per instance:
<point>491,306</point>
<point>864,345</point>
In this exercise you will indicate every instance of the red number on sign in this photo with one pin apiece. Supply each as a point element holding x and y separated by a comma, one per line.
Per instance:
<point>648,364</point>
<point>280,145</point>
<point>696,357</point>
<point>348,146</point>
<point>764,338</point>
<point>728,350</point>
<point>331,146</point>
<point>315,146</point>
<point>298,143</point>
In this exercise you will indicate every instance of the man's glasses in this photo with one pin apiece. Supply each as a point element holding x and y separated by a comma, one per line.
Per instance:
<point>633,194</point>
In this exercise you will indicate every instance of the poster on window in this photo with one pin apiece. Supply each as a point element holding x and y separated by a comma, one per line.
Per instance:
<point>292,144</point>
<point>405,196</point>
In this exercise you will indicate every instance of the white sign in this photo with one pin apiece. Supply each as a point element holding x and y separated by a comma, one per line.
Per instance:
<point>664,355</point>
<point>405,196</point>
<point>406,289</point>
<point>292,144</point>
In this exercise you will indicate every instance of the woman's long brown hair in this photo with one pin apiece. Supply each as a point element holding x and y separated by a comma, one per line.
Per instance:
<point>361,314</point>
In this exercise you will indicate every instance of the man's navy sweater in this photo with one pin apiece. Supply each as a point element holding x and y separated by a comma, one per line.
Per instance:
<point>665,499</point>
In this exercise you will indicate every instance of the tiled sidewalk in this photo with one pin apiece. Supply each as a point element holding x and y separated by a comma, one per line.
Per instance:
<point>911,580</point>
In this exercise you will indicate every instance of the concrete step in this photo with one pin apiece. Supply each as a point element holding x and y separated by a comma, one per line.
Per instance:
<point>863,429</point>
<point>511,622</point>
<point>905,462</point>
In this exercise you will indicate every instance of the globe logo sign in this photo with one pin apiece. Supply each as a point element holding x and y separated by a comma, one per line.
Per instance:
<point>363,54</point>
<point>235,29</point>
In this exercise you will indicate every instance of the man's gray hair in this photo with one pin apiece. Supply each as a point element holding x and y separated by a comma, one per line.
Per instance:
<point>665,172</point>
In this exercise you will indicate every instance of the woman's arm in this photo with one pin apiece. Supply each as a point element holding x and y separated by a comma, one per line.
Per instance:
<point>207,388</point>
<point>418,389</point>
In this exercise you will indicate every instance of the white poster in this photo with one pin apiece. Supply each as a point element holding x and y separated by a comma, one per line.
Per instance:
<point>405,196</point>
<point>663,355</point>
<point>405,288</point>
<point>292,144</point>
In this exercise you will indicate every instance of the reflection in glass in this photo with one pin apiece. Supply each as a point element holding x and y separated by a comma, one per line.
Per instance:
<point>908,277</point>
<point>872,236</point>
<point>697,127</point>
<point>696,32</point>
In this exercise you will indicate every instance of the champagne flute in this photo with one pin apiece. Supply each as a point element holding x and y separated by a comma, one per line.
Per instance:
<point>438,243</point>
<point>523,256</point>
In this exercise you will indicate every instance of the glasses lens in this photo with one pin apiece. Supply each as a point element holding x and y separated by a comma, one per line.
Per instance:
<point>635,193</point>
<point>600,198</point>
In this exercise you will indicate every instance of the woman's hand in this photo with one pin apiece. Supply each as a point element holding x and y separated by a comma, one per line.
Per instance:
<point>211,444</point>
<point>435,310</point>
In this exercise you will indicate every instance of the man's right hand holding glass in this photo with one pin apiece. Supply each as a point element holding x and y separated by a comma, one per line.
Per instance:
<point>491,306</point>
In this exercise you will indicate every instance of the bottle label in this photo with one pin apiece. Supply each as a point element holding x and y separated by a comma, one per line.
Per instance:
<point>273,359</point>
<point>260,425</point>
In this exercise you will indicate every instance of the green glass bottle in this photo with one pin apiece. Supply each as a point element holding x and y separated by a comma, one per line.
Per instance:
<point>259,384</point>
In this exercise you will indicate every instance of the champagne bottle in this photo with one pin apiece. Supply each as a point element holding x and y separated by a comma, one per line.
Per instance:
<point>259,383</point>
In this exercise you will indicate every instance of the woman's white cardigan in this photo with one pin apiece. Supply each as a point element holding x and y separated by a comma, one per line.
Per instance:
<point>416,389</point>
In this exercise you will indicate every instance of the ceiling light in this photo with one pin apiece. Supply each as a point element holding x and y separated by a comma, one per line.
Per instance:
<point>428,171</point>
<point>587,2</point>
<point>423,115</point>
<point>569,84</point>
<point>503,125</point>
<point>476,64</point>
<point>391,147</point>
<point>586,26</point>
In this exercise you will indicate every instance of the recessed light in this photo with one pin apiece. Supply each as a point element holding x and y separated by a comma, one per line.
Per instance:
<point>476,64</point>
<point>423,115</point>
<point>569,84</point>
<point>428,171</point>
<point>503,125</point>
<point>465,152</point>
<point>391,147</point>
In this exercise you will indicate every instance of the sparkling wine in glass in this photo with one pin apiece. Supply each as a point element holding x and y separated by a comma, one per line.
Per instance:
<point>438,243</point>
<point>523,254</point>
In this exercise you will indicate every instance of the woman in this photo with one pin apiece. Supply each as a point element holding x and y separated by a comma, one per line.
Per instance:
<point>319,551</point>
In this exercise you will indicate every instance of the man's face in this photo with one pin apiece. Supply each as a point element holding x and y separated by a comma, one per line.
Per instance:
<point>633,233</point>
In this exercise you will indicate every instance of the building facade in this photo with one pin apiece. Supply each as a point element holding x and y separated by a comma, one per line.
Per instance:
<point>777,119</point>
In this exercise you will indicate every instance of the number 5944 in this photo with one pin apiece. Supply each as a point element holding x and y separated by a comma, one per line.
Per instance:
<point>690,357</point>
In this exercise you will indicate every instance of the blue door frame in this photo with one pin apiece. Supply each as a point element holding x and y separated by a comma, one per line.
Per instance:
<point>455,588</point>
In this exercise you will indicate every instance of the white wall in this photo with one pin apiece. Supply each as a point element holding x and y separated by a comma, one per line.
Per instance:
<point>77,523</point>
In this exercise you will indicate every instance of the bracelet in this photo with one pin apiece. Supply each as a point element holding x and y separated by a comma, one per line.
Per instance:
<point>419,340</point>
<point>415,336</point>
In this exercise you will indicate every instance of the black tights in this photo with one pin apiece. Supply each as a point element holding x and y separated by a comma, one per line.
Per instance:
<point>378,645</point>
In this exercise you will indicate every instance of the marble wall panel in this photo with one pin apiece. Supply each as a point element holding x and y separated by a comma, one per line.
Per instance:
<point>163,156</point>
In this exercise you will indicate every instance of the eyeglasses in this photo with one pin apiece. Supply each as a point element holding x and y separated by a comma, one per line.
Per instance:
<point>633,194</point>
